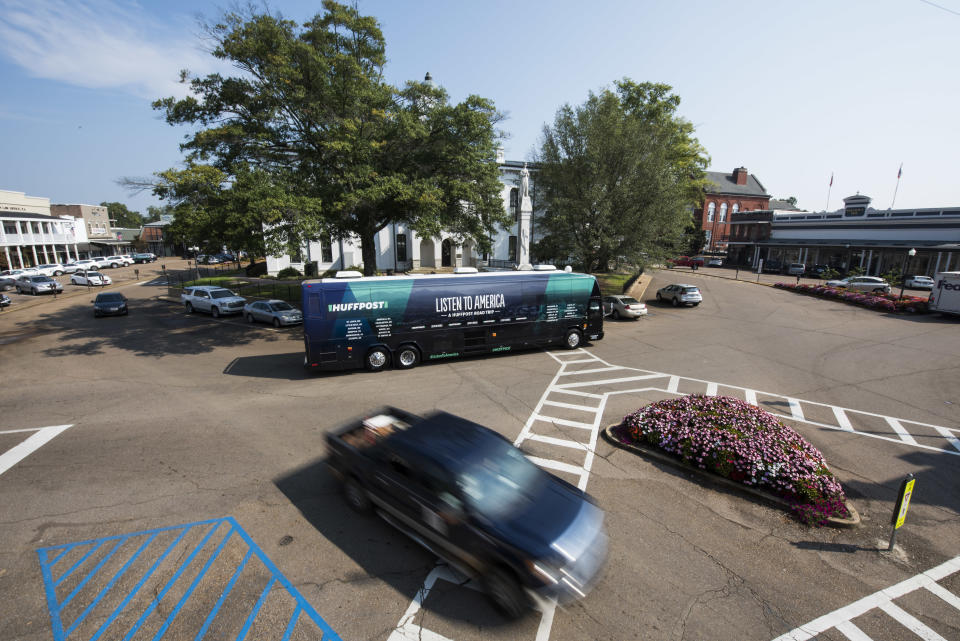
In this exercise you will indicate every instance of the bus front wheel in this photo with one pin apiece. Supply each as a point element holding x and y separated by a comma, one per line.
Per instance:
<point>377,359</point>
<point>573,339</point>
<point>408,357</point>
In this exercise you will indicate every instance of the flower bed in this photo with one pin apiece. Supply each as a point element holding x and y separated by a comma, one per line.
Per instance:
<point>743,443</point>
<point>881,302</point>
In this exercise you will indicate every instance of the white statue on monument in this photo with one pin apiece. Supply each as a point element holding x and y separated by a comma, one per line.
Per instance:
<point>524,182</point>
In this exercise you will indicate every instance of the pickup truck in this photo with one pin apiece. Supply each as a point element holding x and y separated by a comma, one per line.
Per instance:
<point>468,495</point>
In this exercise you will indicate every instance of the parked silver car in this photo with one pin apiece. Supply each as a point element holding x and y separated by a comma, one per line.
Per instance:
<point>919,282</point>
<point>278,312</point>
<point>680,294</point>
<point>620,306</point>
<point>796,269</point>
<point>91,277</point>
<point>213,299</point>
<point>861,284</point>
<point>37,285</point>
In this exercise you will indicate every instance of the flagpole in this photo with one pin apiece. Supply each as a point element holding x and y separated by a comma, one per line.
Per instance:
<point>899,172</point>
<point>827,208</point>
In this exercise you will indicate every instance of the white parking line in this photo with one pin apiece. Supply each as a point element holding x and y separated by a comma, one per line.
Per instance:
<point>17,453</point>
<point>841,619</point>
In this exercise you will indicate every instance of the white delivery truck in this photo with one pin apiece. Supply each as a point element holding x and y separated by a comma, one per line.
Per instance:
<point>945,296</point>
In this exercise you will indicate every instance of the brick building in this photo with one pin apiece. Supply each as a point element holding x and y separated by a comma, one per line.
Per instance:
<point>727,194</point>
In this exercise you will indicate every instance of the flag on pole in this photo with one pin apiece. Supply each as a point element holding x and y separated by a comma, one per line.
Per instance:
<point>900,171</point>
<point>831,179</point>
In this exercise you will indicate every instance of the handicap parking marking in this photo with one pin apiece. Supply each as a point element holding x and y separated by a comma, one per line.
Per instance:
<point>842,619</point>
<point>39,437</point>
<point>210,576</point>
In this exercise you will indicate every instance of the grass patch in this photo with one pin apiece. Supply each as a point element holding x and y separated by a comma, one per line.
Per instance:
<point>613,282</point>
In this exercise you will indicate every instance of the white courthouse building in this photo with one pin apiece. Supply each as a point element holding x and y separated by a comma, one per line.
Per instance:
<point>30,235</point>
<point>401,249</point>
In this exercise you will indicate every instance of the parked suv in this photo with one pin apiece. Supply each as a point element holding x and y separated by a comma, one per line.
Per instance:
<point>796,269</point>
<point>118,261</point>
<point>213,299</point>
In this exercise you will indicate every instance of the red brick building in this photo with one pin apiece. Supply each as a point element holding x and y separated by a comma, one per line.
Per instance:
<point>725,195</point>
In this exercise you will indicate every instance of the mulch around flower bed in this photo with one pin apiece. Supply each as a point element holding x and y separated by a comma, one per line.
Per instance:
<point>618,436</point>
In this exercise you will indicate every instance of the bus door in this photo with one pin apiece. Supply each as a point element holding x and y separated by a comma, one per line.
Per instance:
<point>595,318</point>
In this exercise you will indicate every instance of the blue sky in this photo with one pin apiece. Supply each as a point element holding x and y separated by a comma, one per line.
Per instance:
<point>794,91</point>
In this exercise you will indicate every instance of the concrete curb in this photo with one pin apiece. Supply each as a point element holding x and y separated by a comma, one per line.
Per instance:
<point>639,287</point>
<point>648,452</point>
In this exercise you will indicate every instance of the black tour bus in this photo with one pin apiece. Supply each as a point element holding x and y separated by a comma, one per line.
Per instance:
<point>353,321</point>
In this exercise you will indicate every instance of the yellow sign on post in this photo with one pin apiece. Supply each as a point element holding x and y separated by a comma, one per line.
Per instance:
<point>904,503</point>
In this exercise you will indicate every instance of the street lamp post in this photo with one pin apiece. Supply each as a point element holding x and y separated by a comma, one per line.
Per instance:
<point>903,270</point>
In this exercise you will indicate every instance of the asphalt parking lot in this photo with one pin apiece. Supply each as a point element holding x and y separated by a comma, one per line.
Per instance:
<point>162,461</point>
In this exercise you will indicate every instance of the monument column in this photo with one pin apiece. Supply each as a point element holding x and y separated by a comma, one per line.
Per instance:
<point>526,216</point>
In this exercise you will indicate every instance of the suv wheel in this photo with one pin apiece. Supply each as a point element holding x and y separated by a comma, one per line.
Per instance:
<point>250,318</point>
<point>58,273</point>
<point>505,593</point>
<point>114,265</point>
<point>189,307</point>
<point>675,302</point>
<point>215,311</point>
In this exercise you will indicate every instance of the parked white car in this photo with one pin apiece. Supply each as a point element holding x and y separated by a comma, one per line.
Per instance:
<point>118,261</point>
<point>213,299</point>
<point>85,264</point>
<point>50,269</point>
<point>680,294</point>
<point>102,262</point>
<point>90,278</point>
<point>919,282</point>
<point>862,284</point>
<point>71,267</point>
<point>17,273</point>
<point>623,306</point>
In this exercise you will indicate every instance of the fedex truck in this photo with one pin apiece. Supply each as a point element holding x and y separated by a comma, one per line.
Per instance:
<point>945,296</point>
<point>374,322</point>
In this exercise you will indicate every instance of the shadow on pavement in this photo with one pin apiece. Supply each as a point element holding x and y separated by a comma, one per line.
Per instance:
<point>153,329</point>
<point>287,366</point>
<point>382,552</point>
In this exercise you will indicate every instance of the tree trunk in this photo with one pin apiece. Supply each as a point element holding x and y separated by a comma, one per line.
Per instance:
<point>368,249</point>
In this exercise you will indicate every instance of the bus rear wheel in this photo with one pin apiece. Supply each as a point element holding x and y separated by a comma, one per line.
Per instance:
<point>377,359</point>
<point>573,339</point>
<point>408,357</point>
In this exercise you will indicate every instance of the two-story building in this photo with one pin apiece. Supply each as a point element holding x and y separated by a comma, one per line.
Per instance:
<point>399,248</point>
<point>102,240</point>
<point>30,235</point>
<point>727,194</point>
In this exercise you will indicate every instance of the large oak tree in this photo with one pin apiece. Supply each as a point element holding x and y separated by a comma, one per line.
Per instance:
<point>310,107</point>
<point>618,177</point>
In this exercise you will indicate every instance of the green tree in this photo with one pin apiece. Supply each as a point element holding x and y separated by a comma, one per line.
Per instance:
<point>121,216</point>
<point>618,177</point>
<point>310,112</point>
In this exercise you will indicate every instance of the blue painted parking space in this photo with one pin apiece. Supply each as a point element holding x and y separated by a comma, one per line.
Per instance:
<point>193,581</point>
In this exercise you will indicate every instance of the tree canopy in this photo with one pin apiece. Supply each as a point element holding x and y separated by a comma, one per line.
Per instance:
<point>618,177</point>
<point>310,119</point>
<point>121,216</point>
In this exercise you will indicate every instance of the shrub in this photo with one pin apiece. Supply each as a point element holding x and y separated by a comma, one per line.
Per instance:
<point>288,272</point>
<point>743,443</point>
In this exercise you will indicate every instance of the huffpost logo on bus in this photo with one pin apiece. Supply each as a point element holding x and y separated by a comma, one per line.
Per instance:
<point>352,307</point>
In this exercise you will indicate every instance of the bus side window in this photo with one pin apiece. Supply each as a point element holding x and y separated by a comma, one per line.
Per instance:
<point>315,305</point>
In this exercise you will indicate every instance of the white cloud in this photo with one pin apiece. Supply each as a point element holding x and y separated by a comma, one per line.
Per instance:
<point>100,44</point>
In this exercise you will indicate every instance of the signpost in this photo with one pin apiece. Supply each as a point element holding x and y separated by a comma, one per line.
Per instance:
<point>900,510</point>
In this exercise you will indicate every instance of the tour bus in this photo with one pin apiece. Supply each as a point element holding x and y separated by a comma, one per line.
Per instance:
<point>353,321</point>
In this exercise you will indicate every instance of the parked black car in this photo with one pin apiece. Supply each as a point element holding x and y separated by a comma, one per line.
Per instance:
<point>817,271</point>
<point>110,304</point>
<point>467,494</point>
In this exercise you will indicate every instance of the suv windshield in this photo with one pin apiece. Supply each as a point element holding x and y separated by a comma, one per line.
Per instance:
<point>499,481</point>
<point>221,293</point>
